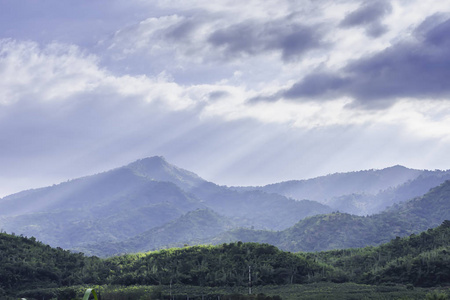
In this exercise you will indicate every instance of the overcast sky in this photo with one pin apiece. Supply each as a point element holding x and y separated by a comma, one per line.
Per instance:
<point>239,92</point>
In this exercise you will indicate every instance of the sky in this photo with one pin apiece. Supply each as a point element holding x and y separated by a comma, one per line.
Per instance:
<point>239,92</point>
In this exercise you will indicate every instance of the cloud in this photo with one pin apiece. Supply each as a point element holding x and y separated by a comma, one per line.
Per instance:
<point>56,72</point>
<point>203,36</point>
<point>317,84</point>
<point>240,92</point>
<point>369,12</point>
<point>289,38</point>
<point>417,68</point>
<point>369,15</point>
<point>59,72</point>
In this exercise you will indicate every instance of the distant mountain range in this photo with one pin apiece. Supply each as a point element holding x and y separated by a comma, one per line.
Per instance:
<point>342,230</point>
<point>151,204</point>
<point>122,203</point>
<point>363,192</point>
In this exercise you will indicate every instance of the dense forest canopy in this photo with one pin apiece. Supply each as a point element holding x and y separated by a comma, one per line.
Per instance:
<point>419,260</point>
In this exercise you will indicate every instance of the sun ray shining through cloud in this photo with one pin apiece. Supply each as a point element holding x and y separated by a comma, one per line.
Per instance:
<point>240,93</point>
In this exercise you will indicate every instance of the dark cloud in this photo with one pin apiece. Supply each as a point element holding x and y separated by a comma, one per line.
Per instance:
<point>437,35</point>
<point>251,37</point>
<point>316,84</point>
<point>238,38</point>
<point>376,29</point>
<point>369,12</point>
<point>298,41</point>
<point>416,69</point>
<point>265,98</point>
<point>182,30</point>
<point>369,15</point>
<point>218,95</point>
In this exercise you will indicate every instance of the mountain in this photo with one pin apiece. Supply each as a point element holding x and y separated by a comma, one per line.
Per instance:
<point>342,230</point>
<point>363,192</point>
<point>105,188</point>
<point>122,203</point>
<point>110,206</point>
<point>338,184</point>
<point>366,204</point>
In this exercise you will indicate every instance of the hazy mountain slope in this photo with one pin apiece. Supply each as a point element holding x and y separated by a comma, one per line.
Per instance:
<point>334,185</point>
<point>257,208</point>
<point>339,230</point>
<point>362,192</point>
<point>363,204</point>
<point>107,206</point>
<point>122,203</point>
<point>190,228</point>
<point>86,192</point>
<point>94,190</point>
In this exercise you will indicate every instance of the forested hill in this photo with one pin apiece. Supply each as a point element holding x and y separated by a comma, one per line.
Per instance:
<point>422,260</point>
<point>32,268</point>
<point>28,264</point>
<point>341,230</point>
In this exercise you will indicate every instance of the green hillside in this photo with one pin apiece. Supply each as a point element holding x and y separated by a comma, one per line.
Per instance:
<point>28,264</point>
<point>32,269</point>
<point>422,260</point>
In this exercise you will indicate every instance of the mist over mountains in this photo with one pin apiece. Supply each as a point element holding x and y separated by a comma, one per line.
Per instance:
<point>151,204</point>
<point>361,192</point>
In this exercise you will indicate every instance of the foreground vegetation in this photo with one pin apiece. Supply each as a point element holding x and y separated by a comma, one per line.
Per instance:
<point>312,291</point>
<point>410,267</point>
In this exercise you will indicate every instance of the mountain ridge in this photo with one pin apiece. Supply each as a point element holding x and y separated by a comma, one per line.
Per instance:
<point>122,204</point>
<point>115,205</point>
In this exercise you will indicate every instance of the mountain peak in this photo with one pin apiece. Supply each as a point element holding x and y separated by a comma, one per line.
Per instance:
<point>151,160</point>
<point>158,169</point>
<point>397,167</point>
